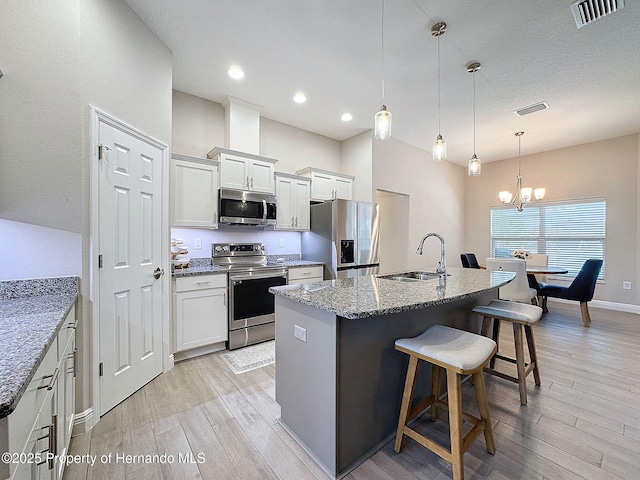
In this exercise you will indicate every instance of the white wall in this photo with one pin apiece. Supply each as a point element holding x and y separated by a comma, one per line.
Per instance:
<point>357,160</point>
<point>31,251</point>
<point>198,125</point>
<point>436,192</point>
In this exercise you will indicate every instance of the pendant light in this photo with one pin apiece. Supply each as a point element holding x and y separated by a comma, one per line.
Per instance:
<point>382,124</point>
<point>475,164</point>
<point>439,151</point>
<point>523,195</point>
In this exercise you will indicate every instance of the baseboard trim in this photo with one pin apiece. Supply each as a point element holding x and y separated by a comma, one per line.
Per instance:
<point>196,352</point>
<point>619,307</point>
<point>83,422</point>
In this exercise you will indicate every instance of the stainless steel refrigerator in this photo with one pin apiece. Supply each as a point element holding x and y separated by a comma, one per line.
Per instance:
<point>344,236</point>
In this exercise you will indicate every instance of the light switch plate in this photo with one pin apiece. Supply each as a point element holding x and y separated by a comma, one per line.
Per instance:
<point>197,243</point>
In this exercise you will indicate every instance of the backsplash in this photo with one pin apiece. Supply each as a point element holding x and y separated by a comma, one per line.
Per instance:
<point>271,238</point>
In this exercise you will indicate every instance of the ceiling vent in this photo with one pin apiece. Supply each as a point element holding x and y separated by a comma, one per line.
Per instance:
<point>588,11</point>
<point>536,107</point>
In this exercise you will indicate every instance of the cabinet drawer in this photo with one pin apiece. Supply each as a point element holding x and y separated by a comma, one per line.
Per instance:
<point>303,274</point>
<point>200,282</point>
<point>67,330</point>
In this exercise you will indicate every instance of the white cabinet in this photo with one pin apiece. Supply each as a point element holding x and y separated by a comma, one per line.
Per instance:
<point>194,192</point>
<point>293,194</point>
<point>328,185</point>
<point>243,171</point>
<point>309,274</point>
<point>41,424</point>
<point>200,311</point>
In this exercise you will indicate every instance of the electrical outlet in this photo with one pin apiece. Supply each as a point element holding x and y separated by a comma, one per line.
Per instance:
<point>281,242</point>
<point>197,243</point>
<point>626,285</point>
<point>300,333</point>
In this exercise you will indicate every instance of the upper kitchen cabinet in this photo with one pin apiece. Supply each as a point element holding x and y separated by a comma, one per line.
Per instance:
<point>194,192</point>
<point>244,171</point>
<point>328,185</point>
<point>293,194</point>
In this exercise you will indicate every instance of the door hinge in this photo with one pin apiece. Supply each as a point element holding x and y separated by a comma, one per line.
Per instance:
<point>99,261</point>
<point>101,149</point>
<point>101,369</point>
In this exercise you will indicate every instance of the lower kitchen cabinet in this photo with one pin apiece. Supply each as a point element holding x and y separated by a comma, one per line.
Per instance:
<point>309,274</point>
<point>200,311</point>
<point>41,424</point>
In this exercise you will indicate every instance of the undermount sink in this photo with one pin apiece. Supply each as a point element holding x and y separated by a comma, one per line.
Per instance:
<point>410,276</point>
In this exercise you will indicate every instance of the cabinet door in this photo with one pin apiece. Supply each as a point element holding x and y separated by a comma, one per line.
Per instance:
<point>201,318</point>
<point>302,194</point>
<point>194,194</point>
<point>322,186</point>
<point>285,216</point>
<point>234,172</point>
<point>261,177</point>
<point>344,188</point>
<point>46,428</point>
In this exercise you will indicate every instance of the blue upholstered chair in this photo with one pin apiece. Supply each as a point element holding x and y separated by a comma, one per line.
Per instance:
<point>581,289</point>
<point>469,260</point>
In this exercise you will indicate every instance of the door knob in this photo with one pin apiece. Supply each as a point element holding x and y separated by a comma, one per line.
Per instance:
<point>158,272</point>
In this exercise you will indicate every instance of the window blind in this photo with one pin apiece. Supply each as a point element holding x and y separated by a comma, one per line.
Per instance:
<point>569,232</point>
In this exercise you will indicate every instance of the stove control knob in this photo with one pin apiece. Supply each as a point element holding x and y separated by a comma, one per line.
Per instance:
<point>262,247</point>
<point>218,248</point>
<point>225,248</point>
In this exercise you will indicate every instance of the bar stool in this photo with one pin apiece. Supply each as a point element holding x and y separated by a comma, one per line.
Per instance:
<point>520,315</point>
<point>459,353</point>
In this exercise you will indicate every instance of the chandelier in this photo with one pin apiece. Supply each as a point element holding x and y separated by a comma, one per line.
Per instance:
<point>523,195</point>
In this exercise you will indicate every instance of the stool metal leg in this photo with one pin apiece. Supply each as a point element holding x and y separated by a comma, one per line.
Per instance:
<point>532,353</point>
<point>455,423</point>
<point>483,407</point>
<point>409,385</point>
<point>522,379</point>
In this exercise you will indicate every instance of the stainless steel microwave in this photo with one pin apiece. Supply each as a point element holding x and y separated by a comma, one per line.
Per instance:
<point>246,208</point>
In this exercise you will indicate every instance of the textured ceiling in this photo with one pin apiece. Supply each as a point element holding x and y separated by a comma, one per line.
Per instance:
<point>530,51</point>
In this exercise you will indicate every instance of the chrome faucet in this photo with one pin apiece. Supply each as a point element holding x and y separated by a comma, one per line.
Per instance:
<point>441,268</point>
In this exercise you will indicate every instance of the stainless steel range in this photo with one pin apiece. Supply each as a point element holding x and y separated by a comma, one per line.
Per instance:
<point>251,306</point>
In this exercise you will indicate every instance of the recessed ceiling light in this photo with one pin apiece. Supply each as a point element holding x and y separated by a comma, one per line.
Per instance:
<point>235,72</point>
<point>299,97</point>
<point>346,117</point>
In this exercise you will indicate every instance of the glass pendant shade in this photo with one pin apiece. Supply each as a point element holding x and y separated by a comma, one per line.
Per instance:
<point>539,193</point>
<point>525,193</point>
<point>439,150</point>
<point>382,125</point>
<point>475,166</point>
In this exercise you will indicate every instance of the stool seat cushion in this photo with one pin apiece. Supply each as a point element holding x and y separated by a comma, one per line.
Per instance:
<point>450,346</point>
<point>511,311</point>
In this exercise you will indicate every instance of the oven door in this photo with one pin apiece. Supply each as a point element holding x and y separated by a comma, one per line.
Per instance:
<point>250,301</point>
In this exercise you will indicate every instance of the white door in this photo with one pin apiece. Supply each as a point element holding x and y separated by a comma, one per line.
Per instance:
<point>131,308</point>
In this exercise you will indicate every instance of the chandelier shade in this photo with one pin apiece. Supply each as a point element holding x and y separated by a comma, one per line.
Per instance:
<point>523,194</point>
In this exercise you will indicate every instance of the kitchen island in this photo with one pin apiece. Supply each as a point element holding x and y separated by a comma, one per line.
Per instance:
<point>339,379</point>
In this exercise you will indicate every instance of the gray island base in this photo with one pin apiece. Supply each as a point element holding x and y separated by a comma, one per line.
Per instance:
<point>339,379</point>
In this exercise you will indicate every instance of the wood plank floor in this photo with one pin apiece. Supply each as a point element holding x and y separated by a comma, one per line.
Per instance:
<point>582,423</point>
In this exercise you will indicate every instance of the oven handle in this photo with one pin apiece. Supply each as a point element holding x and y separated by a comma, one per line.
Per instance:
<point>235,277</point>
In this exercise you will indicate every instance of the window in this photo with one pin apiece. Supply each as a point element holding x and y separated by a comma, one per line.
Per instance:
<point>569,232</point>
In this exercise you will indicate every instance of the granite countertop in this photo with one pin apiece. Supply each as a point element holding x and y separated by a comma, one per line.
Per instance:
<point>369,296</point>
<point>202,266</point>
<point>31,313</point>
